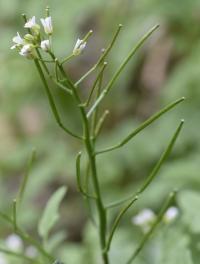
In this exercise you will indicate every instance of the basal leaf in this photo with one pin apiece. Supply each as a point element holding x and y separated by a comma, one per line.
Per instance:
<point>51,215</point>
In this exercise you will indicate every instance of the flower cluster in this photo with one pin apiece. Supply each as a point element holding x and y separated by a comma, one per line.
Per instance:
<point>15,244</point>
<point>27,45</point>
<point>34,40</point>
<point>147,217</point>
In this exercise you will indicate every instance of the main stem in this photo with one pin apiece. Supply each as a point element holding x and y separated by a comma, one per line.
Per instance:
<point>101,210</point>
<point>90,148</point>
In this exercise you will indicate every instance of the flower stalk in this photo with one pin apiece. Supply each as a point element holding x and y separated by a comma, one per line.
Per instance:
<point>32,46</point>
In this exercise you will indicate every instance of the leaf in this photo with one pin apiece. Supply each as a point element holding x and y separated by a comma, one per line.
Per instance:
<point>55,240</point>
<point>172,246</point>
<point>189,202</point>
<point>51,215</point>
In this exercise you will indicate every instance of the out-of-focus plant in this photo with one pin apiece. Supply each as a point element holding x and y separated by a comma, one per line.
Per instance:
<point>37,45</point>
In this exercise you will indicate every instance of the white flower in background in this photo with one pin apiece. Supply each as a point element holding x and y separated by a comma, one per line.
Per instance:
<point>27,51</point>
<point>171,214</point>
<point>47,24</point>
<point>14,243</point>
<point>18,41</point>
<point>30,23</point>
<point>144,219</point>
<point>31,252</point>
<point>45,45</point>
<point>79,47</point>
<point>3,259</point>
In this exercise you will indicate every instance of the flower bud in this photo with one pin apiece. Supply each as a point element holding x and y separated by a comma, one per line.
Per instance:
<point>28,51</point>
<point>14,243</point>
<point>79,47</point>
<point>47,24</point>
<point>31,23</point>
<point>171,214</point>
<point>144,219</point>
<point>29,38</point>
<point>45,45</point>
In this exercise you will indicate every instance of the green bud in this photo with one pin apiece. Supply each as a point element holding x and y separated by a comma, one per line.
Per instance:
<point>29,38</point>
<point>36,29</point>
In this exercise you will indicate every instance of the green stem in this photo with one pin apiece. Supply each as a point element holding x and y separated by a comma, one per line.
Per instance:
<point>92,158</point>
<point>146,183</point>
<point>51,101</point>
<point>33,242</point>
<point>117,220</point>
<point>156,223</point>
<point>142,126</point>
<point>15,215</point>
<point>25,237</point>
<point>155,170</point>
<point>6,218</point>
<point>100,123</point>
<point>20,194</point>
<point>96,112</point>
<point>78,176</point>
<point>67,59</point>
<point>120,69</point>
<point>95,84</point>
<point>102,57</point>
<point>17,255</point>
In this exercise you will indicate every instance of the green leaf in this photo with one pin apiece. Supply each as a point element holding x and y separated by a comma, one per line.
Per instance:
<point>51,215</point>
<point>55,240</point>
<point>171,246</point>
<point>189,202</point>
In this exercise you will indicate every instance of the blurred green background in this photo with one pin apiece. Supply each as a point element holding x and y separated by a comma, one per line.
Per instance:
<point>165,69</point>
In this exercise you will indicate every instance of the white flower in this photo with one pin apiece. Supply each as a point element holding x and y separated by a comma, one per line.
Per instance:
<point>14,243</point>
<point>31,252</point>
<point>171,214</point>
<point>79,47</point>
<point>27,51</point>
<point>18,41</point>
<point>3,259</point>
<point>144,219</point>
<point>45,45</point>
<point>47,24</point>
<point>30,23</point>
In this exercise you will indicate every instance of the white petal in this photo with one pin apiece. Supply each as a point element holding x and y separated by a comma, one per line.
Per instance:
<point>43,22</point>
<point>33,20</point>
<point>171,214</point>
<point>17,39</point>
<point>78,43</point>
<point>79,47</point>
<point>14,242</point>
<point>13,47</point>
<point>82,47</point>
<point>144,217</point>
<point>27,51</point>
<point>30,23</point>
<point>47,24</point>
<point>45,45</point>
